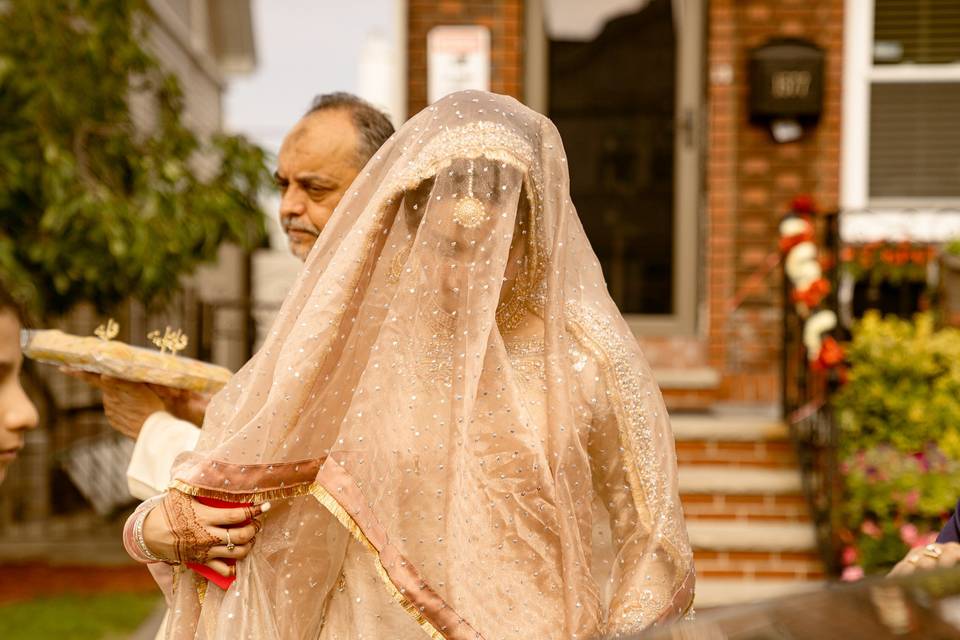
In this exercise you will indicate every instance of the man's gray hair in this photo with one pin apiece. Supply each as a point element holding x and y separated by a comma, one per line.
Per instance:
<point>373,126</point>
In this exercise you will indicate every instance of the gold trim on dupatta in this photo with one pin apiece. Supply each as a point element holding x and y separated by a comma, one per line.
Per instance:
<point>257,497</point>
<point>336,509</point>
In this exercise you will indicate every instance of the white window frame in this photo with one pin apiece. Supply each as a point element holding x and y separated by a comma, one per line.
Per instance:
<point>859,74</point>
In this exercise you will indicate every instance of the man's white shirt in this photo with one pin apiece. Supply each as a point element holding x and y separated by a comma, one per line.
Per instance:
<point>161,440</point>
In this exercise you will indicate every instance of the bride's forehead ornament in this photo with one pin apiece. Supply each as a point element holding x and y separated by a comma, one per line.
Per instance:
<point>470,212</point>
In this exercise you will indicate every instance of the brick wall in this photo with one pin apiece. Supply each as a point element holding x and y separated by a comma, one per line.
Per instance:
<point>504,18</point>
<point>751,179</point>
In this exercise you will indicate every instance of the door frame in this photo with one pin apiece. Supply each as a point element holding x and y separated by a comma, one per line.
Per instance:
<point>689,148</point>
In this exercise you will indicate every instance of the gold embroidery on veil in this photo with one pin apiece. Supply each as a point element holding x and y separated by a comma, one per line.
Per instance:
<point>594,333</point>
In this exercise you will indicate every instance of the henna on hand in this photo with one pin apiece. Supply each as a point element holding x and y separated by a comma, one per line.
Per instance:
<point>192,540</point>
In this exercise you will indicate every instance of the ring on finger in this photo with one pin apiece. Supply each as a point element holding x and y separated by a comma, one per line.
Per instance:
<point>913,558</point>
<point>230,545</point>
<point>933,551</point>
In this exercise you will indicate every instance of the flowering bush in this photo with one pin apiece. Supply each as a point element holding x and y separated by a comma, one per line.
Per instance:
<point>899,443</point>
<point>893,502</point>
<point>896,263</point>
<point>953,247</point>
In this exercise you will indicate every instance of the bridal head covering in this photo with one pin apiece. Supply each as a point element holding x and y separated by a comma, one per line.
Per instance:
<point>450,384</point>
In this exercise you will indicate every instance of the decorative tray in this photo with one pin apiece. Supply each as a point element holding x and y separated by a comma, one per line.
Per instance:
<point>120,360</point>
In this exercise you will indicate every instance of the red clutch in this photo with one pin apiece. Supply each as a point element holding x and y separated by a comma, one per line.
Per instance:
<point>221,581</point>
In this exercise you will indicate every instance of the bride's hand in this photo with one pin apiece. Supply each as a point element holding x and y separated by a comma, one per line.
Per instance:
<point>180,529</point>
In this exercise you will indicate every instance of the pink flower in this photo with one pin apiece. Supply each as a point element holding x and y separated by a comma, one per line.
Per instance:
<point>909,534</point>
<point>922,459</point>
<point>870,528</point>
<point>849,556</point>
<point>912,499</point>
<point>925,539</point>
<point>852,573</point>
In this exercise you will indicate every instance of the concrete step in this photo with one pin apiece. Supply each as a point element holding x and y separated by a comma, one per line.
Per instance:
<point>688,389</point>
<point>715,592</point>
<point>687,378</point>
<point>782,537</point>
<point>727,427</point>
<point>723,479</point>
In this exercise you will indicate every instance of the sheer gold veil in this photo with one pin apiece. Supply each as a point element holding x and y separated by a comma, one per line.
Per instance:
<point>386,405</point>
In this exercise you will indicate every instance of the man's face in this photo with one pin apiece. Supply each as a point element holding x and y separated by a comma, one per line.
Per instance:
<point>316,164</point>
<point>17,413</point>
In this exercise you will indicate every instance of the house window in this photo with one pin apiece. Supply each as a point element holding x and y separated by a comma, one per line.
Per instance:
<point>914,103</point>
<point>900,172</point>
<point>902,102</point>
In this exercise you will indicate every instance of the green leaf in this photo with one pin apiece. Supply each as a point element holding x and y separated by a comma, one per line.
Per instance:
<point>101,212</point>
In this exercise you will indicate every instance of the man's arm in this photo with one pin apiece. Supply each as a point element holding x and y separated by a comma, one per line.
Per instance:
<point>143,412</point>
<point>951,530</point>
<point>161,440</point>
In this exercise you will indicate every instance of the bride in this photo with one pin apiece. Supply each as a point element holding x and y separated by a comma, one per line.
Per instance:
<point>456,429</point>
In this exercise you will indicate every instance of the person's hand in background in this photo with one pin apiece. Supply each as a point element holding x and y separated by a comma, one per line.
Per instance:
<point>932,556</point>
<point>127,405</point>
<point>182,403</point>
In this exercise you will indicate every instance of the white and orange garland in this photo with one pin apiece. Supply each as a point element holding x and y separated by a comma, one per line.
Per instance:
<point>808,287</point>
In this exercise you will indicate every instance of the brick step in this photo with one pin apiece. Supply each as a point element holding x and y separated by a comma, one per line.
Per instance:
<point>768,454</point>
<point>803,565</point>
<point>727,536</point>
<point>753,508</point>
<point>731,480</point>
<point>715,592</point>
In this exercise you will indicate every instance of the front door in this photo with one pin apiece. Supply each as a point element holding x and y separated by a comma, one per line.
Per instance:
<point>626,96</point>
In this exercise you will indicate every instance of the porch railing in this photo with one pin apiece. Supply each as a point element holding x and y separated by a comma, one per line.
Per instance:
<point>806,395</point>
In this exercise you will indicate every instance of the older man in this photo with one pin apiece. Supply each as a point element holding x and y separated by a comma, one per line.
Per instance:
<point>318,160</point>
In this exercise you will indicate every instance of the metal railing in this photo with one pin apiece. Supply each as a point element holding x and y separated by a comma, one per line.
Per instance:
<point>806,395</point>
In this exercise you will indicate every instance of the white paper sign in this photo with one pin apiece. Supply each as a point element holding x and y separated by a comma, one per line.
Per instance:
<point>458,58</point>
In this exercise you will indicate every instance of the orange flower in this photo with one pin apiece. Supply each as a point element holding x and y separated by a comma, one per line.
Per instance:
<point>831,354</point>
<point>813,294</point>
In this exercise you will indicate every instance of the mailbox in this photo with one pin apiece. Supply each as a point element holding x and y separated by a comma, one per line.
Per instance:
<point>786,80</point>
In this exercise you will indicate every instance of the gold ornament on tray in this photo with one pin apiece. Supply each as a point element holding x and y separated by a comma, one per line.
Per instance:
<point>170,341</point>
<point>108,331</point>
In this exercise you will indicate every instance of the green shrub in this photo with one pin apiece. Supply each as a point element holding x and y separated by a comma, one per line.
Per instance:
<point>953,247</point>
<point>899,442</point>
